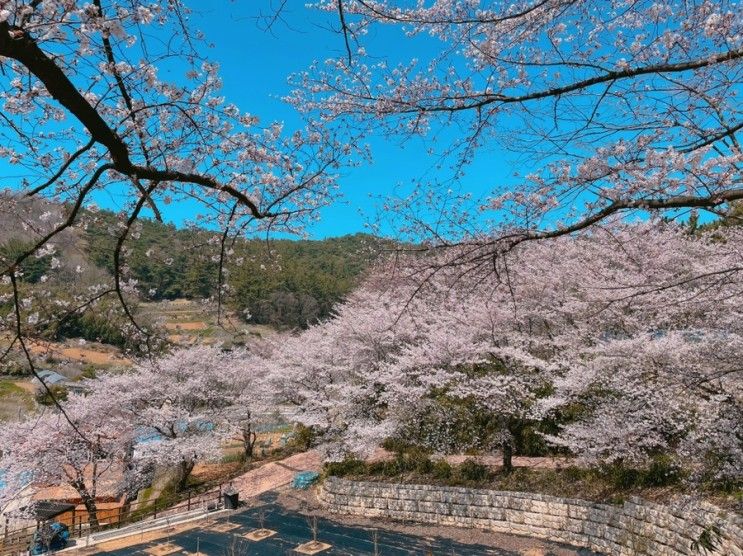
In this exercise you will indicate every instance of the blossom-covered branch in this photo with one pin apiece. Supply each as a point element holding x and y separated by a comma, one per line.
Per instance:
<point>618,107</point>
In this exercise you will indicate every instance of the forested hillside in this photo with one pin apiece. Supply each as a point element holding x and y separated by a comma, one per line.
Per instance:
<point>285,283</point>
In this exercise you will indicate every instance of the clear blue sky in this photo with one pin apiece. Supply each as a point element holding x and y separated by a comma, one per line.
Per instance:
<point>255,66</point>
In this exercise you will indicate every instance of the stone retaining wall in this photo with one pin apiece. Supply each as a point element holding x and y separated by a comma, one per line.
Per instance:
<point>636,527</point>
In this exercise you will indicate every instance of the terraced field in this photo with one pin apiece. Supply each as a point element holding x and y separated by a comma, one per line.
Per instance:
<point>188,322</point>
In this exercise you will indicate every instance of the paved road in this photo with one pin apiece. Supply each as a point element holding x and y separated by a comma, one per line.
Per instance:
<point>293,529</point>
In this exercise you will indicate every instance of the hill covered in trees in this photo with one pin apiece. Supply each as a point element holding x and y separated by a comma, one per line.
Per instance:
<point>284,283</point>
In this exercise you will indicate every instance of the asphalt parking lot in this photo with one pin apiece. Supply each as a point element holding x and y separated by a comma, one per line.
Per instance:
<point>226,537</point>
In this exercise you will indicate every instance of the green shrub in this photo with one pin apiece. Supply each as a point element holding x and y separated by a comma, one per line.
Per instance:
<point>708,540</point>
<point>415,459</point>
<point>424,466</point>
<point>662,472</point>
<point>621,477</point>
<point>89,371</point>
<point>349,466</point>
<point>398,445</point>
<point>304,437</point>
<point>234,457</point>
<point>711,479</point>
<point>470,470</point>
<point>573,473</point>
<point>392,468</point>
<point>375,467</point>
<point>441,469</point>
<point>43,398</point>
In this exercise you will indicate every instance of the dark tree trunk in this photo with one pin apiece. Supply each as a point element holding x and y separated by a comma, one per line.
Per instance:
<point>249,439</point>
<point>88,492</point>
<point>184,472</point>
<point>92,509</point>
<point>507,456</point>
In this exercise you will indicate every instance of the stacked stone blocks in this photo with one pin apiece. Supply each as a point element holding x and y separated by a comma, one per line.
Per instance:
<point>633,528</point>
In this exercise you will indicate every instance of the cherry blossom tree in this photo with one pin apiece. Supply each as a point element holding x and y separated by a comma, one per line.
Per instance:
<point>656,364</point>
<point>615,107</point>
<point>178,405</point>
<point>167,413</point>
<point>638,324</point>
<point>47,450</point>
<point>188,404</point>
<point>628,108</point>
<point>249,389</point>
<point>86,108</point>
<point>379,365</point>
<point>333,372</point>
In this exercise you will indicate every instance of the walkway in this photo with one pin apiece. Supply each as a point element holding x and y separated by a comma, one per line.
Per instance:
<point>494,460</point>
<point>285,514</point>
<point>271,476</point>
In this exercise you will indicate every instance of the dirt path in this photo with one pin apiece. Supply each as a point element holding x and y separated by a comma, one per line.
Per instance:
<point>494,460</point>
<point>187,325</point>
<point>518,461</point>
<point>84,355</point>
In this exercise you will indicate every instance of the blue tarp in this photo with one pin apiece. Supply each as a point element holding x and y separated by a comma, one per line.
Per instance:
<point>52,536</point>
<point>304,479</point>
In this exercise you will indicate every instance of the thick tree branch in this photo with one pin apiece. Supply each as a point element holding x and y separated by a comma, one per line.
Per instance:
<point>467,102</point>
<point>681,201</point>
<point>130,107</point>
<point>18,45</point>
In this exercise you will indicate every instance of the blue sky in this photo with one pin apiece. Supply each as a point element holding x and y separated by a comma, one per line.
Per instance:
<point>255,66</point>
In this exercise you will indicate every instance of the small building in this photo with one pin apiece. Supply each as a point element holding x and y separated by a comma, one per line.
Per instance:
<point>53,378</point>
<point>36,503</point>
